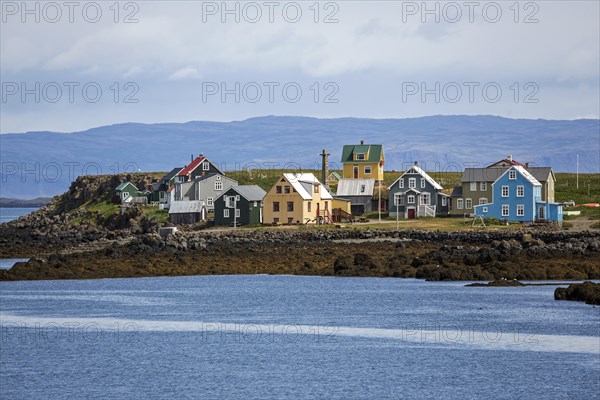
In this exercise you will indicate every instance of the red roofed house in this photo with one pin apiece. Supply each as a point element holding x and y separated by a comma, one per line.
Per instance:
<point>199,166</point>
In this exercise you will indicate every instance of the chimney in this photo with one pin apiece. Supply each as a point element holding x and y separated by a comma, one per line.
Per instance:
<point>324,166</point>
<point>362,142</point>
<point>416,163</point>
<point>509,157</point>
<point>526,165</point>
<point>191,158</point>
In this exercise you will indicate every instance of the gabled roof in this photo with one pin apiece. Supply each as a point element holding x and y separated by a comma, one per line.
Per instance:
<point>482,174</point>
<point>298,182</point>
<point>337,176</point>
<point>375,152</point>
<point>457,191</point>
<point>541,173</point>
<point>523,172</point>
<point>123,185</point>
<point>171,174</point>
<point>415,169</point>
<point>192,166</point>
<point>505,161</point>
<point>352,187</point>
<point>184,207</point>
<point>249,192</point>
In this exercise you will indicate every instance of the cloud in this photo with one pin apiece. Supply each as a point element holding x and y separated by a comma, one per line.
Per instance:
<point>185,73</point>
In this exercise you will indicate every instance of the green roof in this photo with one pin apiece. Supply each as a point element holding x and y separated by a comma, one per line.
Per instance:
<point>123,185</point>
<point>375,152</point>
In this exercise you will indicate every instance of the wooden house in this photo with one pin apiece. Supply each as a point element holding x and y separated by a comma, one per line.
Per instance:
<point>205,188</point>
<point>127,190</point>
<point>517,196</point>
<point>416,194</point>
<point>200,166</point>
<point>297,198</point>
<point>359,192</point>
<point>363,161</point>
<point>242,203</point>
<point>167,182</point>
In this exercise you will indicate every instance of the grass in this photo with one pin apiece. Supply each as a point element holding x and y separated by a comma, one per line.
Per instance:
<point>161,216</point>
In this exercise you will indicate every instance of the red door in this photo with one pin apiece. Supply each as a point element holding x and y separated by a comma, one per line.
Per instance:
<point>411,213</point>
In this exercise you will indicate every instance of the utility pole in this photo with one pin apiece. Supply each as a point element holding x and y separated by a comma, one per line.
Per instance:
<point>577,170</point>
<point>235,212</point>
<point>397,199</point>
<point>379,202</point>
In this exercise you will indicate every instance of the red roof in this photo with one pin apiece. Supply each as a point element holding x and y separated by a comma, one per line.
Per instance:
<point>171,188</point>
<point>193,165</point>
<point>511,162</point>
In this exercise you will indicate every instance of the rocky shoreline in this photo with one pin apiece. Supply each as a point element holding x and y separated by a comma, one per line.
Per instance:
<point>65,240</point>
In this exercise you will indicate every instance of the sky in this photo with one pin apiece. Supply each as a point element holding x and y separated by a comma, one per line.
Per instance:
<point>73,66</point>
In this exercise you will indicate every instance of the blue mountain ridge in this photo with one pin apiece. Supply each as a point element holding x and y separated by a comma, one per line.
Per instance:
<point>44,163</point>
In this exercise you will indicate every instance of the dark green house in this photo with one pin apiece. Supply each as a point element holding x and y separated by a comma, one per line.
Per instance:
<point>243,202</point>
<point>126,190</point>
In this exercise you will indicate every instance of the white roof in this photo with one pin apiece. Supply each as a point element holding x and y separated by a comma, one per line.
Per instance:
<point>352,187</point>
<point>184,207</point>
<point>526,174</point>
<point>418,170</point>
<point>302,183</point>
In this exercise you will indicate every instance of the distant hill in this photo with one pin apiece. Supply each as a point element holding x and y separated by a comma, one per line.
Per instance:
<point>20,203</point>
<point>44,163</point>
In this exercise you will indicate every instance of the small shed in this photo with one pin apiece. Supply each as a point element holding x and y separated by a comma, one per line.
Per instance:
<point>187,212</point>
<point>360,194</point>
<point>241,202</point>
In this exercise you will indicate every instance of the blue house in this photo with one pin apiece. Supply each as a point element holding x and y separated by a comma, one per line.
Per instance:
<point>517,197</point>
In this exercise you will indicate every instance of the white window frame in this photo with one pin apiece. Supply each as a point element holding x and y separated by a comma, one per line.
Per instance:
<point>360,156</point>
<point>422,183</point>
<point>205,166</point>
<point>520,191</point>
<point>218,185</point>
<point>512,174</point>
<point>473,186</point>
<point>368,170</point>
<point>410,199</point>
<point>520,210</point>
<point>444,201</point>
<point>412,183</point>
<point>237,212</point>
<point>226,213</point>
<point>210,201</point>
<point>483,200</point>
<point>401,184</point>
<point>505,191</point>
<point>483,186</point>
<point>468,204</point>
<point>459,204</point>
<point>484,209</point>
<point>398,199</point>
<point>422,197</point>
<point>505,210</point>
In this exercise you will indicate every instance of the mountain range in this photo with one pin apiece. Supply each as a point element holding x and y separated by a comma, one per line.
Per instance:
<point>41,164</point>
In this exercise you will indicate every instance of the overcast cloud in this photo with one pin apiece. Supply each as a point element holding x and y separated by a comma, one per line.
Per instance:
<point>171,65</point>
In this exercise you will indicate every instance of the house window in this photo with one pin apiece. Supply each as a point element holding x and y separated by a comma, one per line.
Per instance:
<point>412,183</point>
<point>512,174</point>
<point>209,201</point>
<point>290,220</point>
<point>505,212</point>
<point>422,183</point>
<point>286,189</point>
<point>425,199</point>
<point>363,188</point>
<point>277,189</point>
<point>468,204</point>
<point>316,190</point>
<point>360,156</point>
<point>398,199</point>
<point>483,200</point>
<point>226,213</point>
<point>444,201</point>
<point>275,220</point>
<point>520,191</point>
<point>367,170</point>
<point>205,166</point>
<point>230,202</point>
<point>505,191</point>
<point>218,185</point>
<point>309,207</point>
<point>473,186</point>
<point>290,206</point>
<point>484,209</point>
<point>520,210</point>
<point>410,199</point>
<point>483,186</point>
<point>275,206</point>
<point>401,184</point>
<point>237,212</point>
<point>256,204</point>
<point>459,204</point>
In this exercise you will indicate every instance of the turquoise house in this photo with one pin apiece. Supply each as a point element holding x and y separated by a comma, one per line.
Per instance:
<point>517,197</point>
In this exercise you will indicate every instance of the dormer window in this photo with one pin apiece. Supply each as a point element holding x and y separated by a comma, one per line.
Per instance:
<point>316,190</point>
<point>360,156</point>
<point>512,174</point>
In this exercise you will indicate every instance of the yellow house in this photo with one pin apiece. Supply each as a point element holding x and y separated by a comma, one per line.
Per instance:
<point>297,198</point>
<point>363,161</point>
